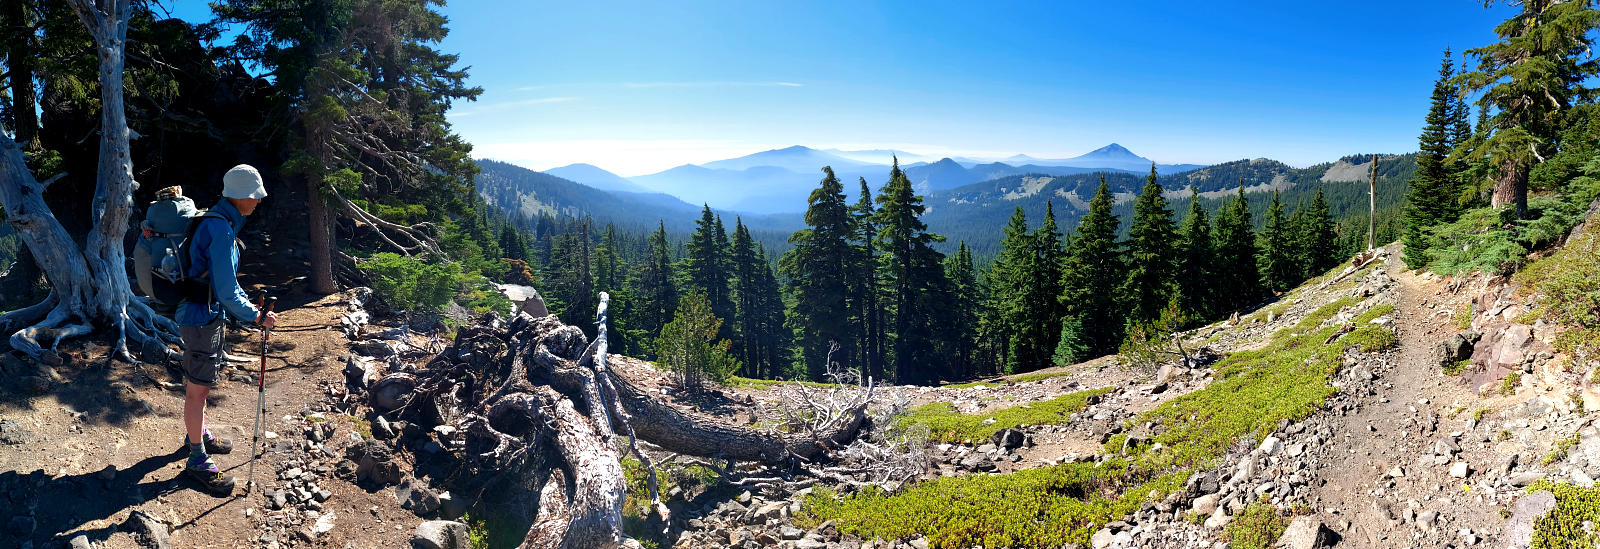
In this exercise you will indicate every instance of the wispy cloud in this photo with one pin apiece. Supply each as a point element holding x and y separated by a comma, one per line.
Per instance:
<point>712,84</point>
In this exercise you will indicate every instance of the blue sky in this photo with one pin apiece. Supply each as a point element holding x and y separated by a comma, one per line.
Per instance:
<point>638,87</point>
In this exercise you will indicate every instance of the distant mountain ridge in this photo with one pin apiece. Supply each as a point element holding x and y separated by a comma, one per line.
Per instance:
<point>779,180</point>
<point>593,176</point>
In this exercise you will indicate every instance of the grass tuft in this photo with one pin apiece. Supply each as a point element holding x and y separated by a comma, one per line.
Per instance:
<point>1258,527</point>
<point>946,425</point>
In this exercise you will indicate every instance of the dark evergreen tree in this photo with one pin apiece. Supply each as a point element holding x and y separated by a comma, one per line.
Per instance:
<point>913,279</point>
<point>1092,274</point>
<point>776,339</point>
<point>1531,79</point>
<point>1430,198</point>
<point>818,268</point>
<point>1278,269</point>
<point>1238,279</point>
<point>1149,283</point>
<point>705,266</point>
<point>1319,240</point>
<point>1195,267</point>
<point>864,291</point>
<point>573,285</point>
<point>656,287</point>
<point>962,331</point>
<point>747,264</point>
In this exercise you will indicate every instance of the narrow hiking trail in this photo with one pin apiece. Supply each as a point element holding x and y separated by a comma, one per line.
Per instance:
<point>1390,482</point>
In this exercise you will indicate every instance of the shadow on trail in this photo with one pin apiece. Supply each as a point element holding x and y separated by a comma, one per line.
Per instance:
<point>63,504</point>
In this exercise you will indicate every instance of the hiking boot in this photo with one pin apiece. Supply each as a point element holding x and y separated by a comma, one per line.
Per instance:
<point>205,471</point>
<point>214,445</point>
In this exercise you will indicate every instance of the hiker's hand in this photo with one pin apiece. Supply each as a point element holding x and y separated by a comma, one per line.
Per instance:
<point>269,321</point>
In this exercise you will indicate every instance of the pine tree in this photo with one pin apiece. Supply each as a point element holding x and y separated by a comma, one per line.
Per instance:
<point>1278,267</point>
<point>1459,124</point>
<point>656,286</point>
<point>747,264</point>
<point>865,290</point>
<point>1008,286</point>
<point>914,282</point>
<point>1195,254</point>
<point>1150,253</point>
<point>776,339</point>
<point>573,285</point>
<point>706,266</point>
<point>1238,279</point>
<point>1321,241</point>
<point>1431,192</point>
<point>818,268</point>
<point>1093,272</point>
<point>964,309</point>
<point>1531,79</point>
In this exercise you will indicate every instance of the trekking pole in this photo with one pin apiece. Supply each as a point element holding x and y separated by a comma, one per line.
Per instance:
<point>264,304</point>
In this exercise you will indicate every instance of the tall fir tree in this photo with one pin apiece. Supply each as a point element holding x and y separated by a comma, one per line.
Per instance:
<point>818,268</point>
<point>1008,284</point>
<point>1149,283</point>
<point>705,266</point>
<point>1320,240</point>
<point>1430,195</point>
<point>1531,79</point>
<point>914,284</point>
<point>776,339</point>
<point>1278,269</point>
<point>747,265</point>
<point>656,286</point>
<point>1238,279</point>
<point>962,331</point>
<point>1092,274</point>
<point>864,292</point>
<point>1195,254</point>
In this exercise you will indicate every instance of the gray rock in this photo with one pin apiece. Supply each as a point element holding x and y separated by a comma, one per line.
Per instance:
<point>790,533</point>
<point>451,507</point>
<point>79,541</point>
<point>1102,539</point>
<point>1206,504</point>
<point>440,534</point>
<point>11,432</point>
<point>151,530</point>
<point>1525,478</point>
<point>1519,528</point>
<point>1009,438</point>
<point>415,495</point>
<point>1307,533</point>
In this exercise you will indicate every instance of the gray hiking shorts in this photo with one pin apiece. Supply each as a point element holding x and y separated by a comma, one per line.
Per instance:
<point>203,351</point>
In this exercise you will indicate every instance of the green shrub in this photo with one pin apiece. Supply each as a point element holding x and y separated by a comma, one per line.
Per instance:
<point>1370,338</point>
<point>1559,451</point>
<point>1564,526</point>
<point>1258,527</point>
<point>1464,317</point>
<point>688,345</point>
<point>1046,507</point>
<point>409,284</point>
<point>1457,367</point>
<point>1492,240</point>
<point>1508,386</point>
<point>946,425</point>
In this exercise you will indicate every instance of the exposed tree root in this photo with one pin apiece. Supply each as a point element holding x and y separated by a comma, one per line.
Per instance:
<point>535,401</point>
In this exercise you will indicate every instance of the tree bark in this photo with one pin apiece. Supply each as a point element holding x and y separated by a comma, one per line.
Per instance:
<point>320,229</point>
<point>1512,188</point>
<point>89,286</point>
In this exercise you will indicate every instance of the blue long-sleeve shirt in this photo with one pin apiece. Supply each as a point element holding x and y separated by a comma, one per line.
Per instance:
<point>214,259</point>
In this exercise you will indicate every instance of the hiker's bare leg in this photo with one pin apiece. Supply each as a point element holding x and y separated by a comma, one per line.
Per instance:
<point>194,409</point>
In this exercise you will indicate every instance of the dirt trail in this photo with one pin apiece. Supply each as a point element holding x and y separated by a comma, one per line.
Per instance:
<point>104,443</point>
<point>1398,424</point>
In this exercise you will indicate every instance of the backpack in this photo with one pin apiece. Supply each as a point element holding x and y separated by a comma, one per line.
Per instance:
<point>161,256</point>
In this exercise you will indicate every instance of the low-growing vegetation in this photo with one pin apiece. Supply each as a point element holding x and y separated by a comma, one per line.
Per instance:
<point>1568,524</point>
<point>1559,451</point>
<point>1047,507</point>
<point>1258,527</point>
<point>947,425</point>
<point>1509,385</point>
<point>1493,240</point>
<point>1455,368</point>
<point>1370,338</point>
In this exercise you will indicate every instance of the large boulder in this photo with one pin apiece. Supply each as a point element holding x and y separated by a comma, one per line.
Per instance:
<point>440,534</point>
<point>1456,349</point>
<point>1519,528</point>
<point>527,299</point>
<point>1307,533</point>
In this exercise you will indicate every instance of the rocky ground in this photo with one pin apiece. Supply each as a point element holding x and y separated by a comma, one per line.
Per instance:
<point>1402,456</point>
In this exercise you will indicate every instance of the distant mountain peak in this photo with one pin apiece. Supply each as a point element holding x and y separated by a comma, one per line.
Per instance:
<point>793,148</point>
<point>1112,151</point>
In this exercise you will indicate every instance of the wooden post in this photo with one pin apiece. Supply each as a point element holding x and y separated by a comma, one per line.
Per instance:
<point>1372,203</point>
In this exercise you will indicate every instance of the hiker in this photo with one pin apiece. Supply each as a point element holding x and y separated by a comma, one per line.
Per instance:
<point>213,292</point>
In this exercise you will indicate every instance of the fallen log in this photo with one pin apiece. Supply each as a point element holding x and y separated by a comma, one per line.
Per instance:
<point>539,408</point>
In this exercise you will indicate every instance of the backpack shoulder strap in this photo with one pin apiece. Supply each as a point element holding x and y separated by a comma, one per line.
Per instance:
<point>188,235</point>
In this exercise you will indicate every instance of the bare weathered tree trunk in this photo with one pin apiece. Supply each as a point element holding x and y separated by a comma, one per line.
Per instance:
<point>89,286</point>
<point>536,388</point>
<point>1372,204</point>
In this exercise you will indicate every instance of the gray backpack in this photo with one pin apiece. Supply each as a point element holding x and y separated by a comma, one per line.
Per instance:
<point>160,258</point>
